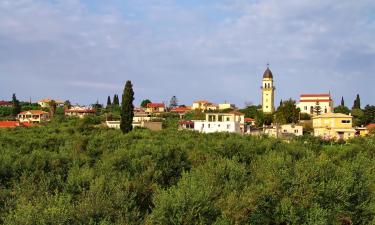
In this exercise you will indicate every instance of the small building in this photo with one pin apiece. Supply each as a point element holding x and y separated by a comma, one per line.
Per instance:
<point>333,126</point>
<point>308,103</point>
<point>45,103</point>
<point>6,104</point>
<point>181,110</point>
<point>33,116</point>
<point>365,130</point>
<point>232,122</point>
<point>204,105</point>
<point>155,108</point>
<point>224,106</point>
<point>285,130</point>
<point>78,111</point>
<point>154,126</point>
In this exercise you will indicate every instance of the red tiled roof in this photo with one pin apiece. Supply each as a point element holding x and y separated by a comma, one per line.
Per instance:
<point>315,95</point>
<point>187,122</point>
<point>155,105</point>
<point>34,112</point>
<point>5,103</point>
<point>316,100</point>
<point>180,110</point>
<point>249,119</point>
<point>371,126</point>
<point>9,124</point>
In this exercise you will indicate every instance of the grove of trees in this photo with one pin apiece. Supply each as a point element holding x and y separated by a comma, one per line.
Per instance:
<point>73,171</point>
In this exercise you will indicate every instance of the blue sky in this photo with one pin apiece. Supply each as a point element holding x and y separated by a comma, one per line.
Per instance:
<point>85,50</point>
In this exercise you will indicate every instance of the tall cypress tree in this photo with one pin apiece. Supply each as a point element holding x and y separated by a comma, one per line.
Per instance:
<point>317,109</point>
<point>109,102</point>
<point>127,108</point>
<point>16,106</point>
<point>357,103</point>
<point>342,101</point>
<point>116,100</point>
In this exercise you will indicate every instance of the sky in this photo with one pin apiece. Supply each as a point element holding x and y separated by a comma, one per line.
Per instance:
<point>85,50</point>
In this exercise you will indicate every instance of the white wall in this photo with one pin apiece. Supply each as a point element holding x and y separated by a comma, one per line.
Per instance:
<point>212,127</point>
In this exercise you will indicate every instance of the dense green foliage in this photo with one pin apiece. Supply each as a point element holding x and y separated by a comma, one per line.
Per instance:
<point>72,172</point>
<point>127,108</point>
<point>287,112</point>
<point>145,102</point>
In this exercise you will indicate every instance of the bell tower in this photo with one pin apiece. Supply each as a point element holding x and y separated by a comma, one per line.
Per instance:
<point>268,92</point>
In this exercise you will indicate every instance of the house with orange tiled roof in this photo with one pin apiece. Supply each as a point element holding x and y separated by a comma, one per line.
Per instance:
<point>155,108</point>
<point>204,105</point>
<point>5,104</point>
<point>45,103</point>
<point>33,116</point>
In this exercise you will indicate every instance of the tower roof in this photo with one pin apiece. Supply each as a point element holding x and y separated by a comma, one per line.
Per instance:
<point>268,73</point>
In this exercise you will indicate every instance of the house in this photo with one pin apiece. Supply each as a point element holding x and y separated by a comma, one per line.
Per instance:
<point>45,103</point>
<point>154,126</point>
<point>365,130</point>
<point>6,104</point>
<point>333,126</point>
<point>232,122</point>
<point>181,110</point>
<point>155,108</point>
<point>224,106</point>
<point>308,102</point>
<point>33,116</point>
<point>204,105</point>
<point>285,130</point>
<point>78,111</point>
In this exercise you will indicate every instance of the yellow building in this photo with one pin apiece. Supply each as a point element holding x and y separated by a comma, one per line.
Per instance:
<point>204,105</point>
<point>334,126</point>
<point>268,92</point>
<point>223,106</point>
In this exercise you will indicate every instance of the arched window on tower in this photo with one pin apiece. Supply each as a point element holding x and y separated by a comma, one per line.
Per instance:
<point>265,85</point>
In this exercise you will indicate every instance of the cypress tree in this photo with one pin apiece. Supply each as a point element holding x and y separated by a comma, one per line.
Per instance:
<point>342,101</point>
<point>127,108</point>
<point>109,102</point>
<point>357,103</point>
<point>116,100</point>
<point>16,106</point>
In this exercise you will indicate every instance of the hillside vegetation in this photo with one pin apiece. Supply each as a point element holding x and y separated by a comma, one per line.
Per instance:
<point>70,172</point>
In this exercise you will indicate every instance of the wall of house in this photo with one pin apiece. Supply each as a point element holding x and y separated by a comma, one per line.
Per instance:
<point>212,127</point>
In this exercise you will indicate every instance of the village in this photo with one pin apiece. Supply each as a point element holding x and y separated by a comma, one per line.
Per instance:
<point>314,114</point>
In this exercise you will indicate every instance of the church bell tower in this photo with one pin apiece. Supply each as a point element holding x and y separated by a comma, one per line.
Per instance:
<point>268,92</point>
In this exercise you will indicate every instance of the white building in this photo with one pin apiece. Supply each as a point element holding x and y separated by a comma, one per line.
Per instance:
<point>33,116</point>
<point>78,111</point>
<point>232,122</point>
<point>308,103</point>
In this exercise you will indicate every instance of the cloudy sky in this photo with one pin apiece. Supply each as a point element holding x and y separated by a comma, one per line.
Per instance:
<point>85,50</point>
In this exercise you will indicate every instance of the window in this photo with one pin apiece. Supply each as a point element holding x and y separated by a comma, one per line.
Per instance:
<point>345,121</point>
<point>228,126</point>
<point>228,119</point>
<point>209,125</point>
<point>220,118</point>
<point>305,107</point>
